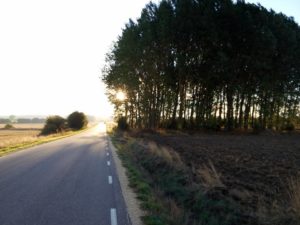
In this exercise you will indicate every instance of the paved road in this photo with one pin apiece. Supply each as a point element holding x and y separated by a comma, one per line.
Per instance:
<point>67,182</point>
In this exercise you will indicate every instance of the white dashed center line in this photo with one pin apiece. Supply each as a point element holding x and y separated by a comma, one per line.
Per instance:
<point>108,163</point>
<point>110,179</point>
<point>107,154</point>
<point>113,216</point>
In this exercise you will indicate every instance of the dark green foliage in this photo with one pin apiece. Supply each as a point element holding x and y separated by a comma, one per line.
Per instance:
<point>212,124</point>
<point>153,220</point>
<point>54,124</point>
<point>257,127</point>
<point>185,62</point>
<point>77,120</point>
<point>288,126</point>
<point>8,126</point>
<point>122,123</point>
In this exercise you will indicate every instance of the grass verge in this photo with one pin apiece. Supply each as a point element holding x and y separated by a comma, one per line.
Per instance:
<point>27,144</point>
<point>145,193</point>
<point>165,187</point>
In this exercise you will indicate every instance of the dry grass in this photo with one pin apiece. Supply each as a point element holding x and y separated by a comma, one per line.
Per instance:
<point>13,137</point>
<point>29,126</point>
<point>175,211</point>
<point>248,173</point>
<point>210,177</point>
<point>26,135</point>
<point>294,193</point>
<point>20,134</point>
<point>168,154</point>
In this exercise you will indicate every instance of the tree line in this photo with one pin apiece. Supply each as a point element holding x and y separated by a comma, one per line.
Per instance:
<point>206,64</point>
<point>22,120</point>
<point>57,124</point>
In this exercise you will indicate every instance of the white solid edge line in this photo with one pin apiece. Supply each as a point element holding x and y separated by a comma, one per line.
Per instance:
<point>110,179</point>
<point>108,163</point>
<point>113,216</point>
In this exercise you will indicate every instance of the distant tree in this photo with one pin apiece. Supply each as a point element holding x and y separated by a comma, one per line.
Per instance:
<point>38,120</point>
<point>23,120</point>
<point>8,126</point>
<point>13,118</point>
<point>122,123</point>
<point>4,120</point>
<point>77,120</point>
<point>54,124</point>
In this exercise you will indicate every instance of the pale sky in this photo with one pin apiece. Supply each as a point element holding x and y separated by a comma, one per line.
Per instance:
<point>52,52</point>
<point>288,7</point>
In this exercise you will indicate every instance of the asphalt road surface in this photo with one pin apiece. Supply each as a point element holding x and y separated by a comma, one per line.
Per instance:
<point>71,181</point>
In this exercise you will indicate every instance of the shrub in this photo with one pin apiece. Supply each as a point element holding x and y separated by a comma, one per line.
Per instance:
<point>257,128</point>
<point>288,126</point>
<point>8,126</point>
<point>122,123</point>
<point>54,124</point>
<point>212,124</point>
<point>77,120</point>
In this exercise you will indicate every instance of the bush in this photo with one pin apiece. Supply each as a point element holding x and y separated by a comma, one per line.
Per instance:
<point>288,126</point>
<point>212,124</point>
<point>8,126</point>
<point>122,123</point>
<point>77,120</point>
<point>54,124</point>
<point>257,128</point>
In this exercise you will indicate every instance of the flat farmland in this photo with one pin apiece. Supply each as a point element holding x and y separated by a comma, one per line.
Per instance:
<point>15,137</point>
<point>26,126</point>
<point>20,135</point>
<point>258,173</point>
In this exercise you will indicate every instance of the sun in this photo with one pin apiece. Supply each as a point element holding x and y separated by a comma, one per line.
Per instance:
<point>120,95</point>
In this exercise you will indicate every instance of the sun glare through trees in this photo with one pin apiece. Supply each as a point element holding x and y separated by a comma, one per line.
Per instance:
<point>120,95</point>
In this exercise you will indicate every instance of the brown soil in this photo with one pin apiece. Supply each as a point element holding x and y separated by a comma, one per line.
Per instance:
<point>255,169</point>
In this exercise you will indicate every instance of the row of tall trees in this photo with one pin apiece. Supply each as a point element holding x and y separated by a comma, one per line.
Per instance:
<point>206,63</point>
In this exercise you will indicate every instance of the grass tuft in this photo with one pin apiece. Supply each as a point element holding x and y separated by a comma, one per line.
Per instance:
<point>294,193</point>
<point>210,177</point>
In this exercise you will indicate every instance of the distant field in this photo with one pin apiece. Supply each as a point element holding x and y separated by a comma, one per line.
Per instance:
<point>14,137</point>
<point>25,135</point>
<point>22,133</point>
<point>25,125</point>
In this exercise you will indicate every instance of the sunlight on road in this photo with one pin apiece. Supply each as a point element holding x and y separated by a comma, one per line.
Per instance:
<point>101,127</point>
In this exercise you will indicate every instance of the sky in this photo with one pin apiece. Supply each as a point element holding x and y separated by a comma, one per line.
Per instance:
<point>52,52</point>
<point>288,7</point>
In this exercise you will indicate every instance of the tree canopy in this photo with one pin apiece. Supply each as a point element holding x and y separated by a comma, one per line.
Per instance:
<point>77,120</point>
<point>54,124</point>
<point>206,64</point>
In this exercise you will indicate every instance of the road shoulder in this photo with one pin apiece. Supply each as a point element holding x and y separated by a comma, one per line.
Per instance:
<point>132,204</point>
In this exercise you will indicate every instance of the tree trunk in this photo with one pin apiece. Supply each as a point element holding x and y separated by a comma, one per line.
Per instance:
<point>229,116</point>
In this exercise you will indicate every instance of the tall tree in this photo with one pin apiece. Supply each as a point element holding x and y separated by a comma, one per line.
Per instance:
<point>206,64</point>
